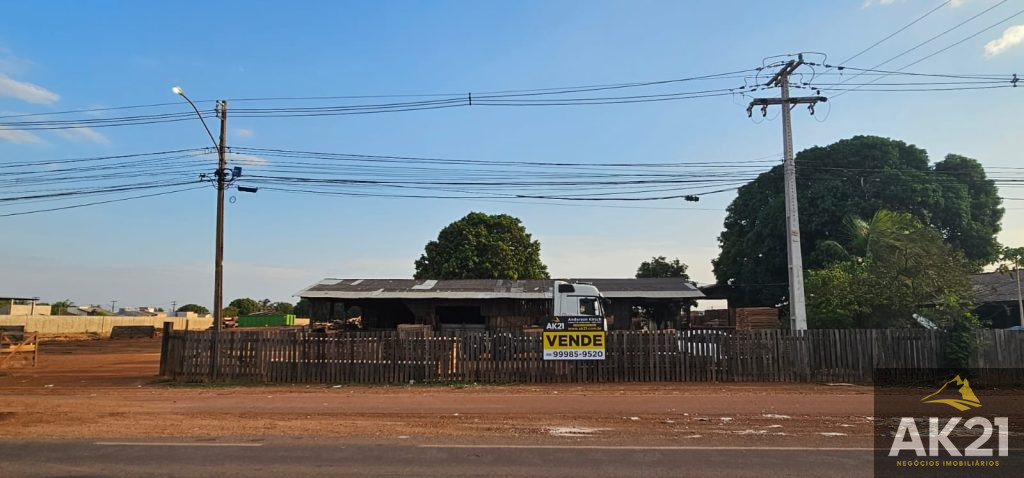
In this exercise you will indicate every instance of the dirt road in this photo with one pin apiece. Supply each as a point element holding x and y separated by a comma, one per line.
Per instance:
<point>109,389</point>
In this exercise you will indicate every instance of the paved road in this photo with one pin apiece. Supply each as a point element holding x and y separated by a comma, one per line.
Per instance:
<point>296,457</point>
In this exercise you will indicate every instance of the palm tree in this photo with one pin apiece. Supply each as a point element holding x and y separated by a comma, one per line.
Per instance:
<point>892,235</point>
<point>61,307</point>
<point>891,267</point>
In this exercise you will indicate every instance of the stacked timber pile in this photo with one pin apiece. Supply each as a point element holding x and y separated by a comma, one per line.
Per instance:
<point>715,318</point>
<point>415,330</point>
<point>757,318</point>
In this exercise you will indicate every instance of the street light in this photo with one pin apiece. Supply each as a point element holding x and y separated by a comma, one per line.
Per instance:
<point>180,92</point>
<point>218,267</point>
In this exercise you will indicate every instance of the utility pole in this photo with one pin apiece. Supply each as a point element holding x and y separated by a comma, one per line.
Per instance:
<point>218,270</point>
<point>222,182</point>
<point>797,309</point>
<point>112,303</point>
<point>174,308</point>
<point>1020,300</point>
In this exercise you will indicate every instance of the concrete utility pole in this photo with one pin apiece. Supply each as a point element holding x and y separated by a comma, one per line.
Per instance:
<point>218,270</point>
<point>222,184</point>
<point>1020,300</point>
<point>797,309</point>
<point>112,304</point>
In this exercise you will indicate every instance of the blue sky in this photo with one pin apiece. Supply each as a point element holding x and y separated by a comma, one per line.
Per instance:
<point>68,55</point>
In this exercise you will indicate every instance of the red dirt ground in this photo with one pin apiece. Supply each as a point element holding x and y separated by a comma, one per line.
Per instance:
<point>109,388</point>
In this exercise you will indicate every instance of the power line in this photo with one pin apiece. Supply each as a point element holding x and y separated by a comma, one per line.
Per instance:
<point>1005,81</point>
<point>1000,22</point>
<point>65,194</point>
<point>546,97</point>
<point>47,162</point>
<point>948,30</point>
<point>911,90</point>
<point>904,27</point>
<point>346,174</point>
<point>62,208</point>
<point>940,34</point>
<point>501,201</point>
<point>878,72</point>
<point>446,100</point>
<point>393,158</point>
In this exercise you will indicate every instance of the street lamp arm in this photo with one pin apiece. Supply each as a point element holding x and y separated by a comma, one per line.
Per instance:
<point>215,144</point>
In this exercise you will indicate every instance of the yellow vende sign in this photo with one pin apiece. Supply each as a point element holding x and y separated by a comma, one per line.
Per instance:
<point>574,345</point>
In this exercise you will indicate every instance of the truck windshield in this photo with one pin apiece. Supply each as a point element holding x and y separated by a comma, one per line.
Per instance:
<point>588,306</point>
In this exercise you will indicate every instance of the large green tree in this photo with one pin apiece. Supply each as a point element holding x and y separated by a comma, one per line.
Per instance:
<point>482,246</point>
<point>660,266</point>
<point>855,177</point>
<point>196,308</point>
<point>657,267</point>
<point>61,307</point>
<point>894,267</point>
<point>282,307</point>
<point>302,308</point>
<point>246,306</point>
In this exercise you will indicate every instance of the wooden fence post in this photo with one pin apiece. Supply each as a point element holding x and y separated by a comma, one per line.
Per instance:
<point>165,340</point>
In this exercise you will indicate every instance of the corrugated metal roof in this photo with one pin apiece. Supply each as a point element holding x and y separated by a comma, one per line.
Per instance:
<point>995,287</point>
<point>667,288</point>
<point>5,297</point>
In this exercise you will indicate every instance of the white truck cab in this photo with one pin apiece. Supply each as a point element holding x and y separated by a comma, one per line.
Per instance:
<point>576,300</point>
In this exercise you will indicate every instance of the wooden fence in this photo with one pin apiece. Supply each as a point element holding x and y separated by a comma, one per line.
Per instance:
<point>296,356</point>
<point>14,343</point>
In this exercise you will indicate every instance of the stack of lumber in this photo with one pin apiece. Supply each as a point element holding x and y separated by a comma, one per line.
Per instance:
<point>415,330</point>
<point>757,318</point>
<point>715,318</point>
<point>132,331</point>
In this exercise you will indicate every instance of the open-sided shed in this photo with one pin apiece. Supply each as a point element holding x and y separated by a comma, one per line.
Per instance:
<point>488,303</point>
<point>996,298</point>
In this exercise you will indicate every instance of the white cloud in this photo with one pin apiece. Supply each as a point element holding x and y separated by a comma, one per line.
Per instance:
<point>1011,37</point>
<point>26,91</point>
<point>243,132</point>
<point>957,3</point>
<point>248,159</point>
<point>18,136</point>
<point>81,133</point>
<point>12,64</point>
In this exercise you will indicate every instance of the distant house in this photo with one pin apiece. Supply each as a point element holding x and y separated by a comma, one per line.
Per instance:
<point>140,312</point>
<point>23,306</point>
<point>996,296</point>
<point>489,303</point>
<point>84,310</point>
